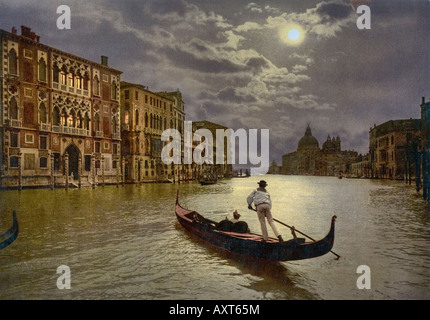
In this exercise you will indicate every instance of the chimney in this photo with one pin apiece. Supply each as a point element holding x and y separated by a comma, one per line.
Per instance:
<point>26,32</point>
<point>105,61</point>
<point>424,100</point>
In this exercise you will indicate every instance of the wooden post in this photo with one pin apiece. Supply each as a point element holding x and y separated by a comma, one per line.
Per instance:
<point>93,170</point>
<point>20,171</point>
<point>66,169</point>
<point>102,164</point>
<point>79,170</point>
<point>52,182</point>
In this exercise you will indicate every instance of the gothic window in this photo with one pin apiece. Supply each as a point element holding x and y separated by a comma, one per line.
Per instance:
<point>150,121</point>
<point>63,78</point>
<point>56,117</point>
<point>85,81</point>
<point>56,74</point>
<point>71,80</point>
<point>63,117</point>
<point>87,121</point>
<point>96,85</point>
<point>42,113</point>
<point>13,105</point>
<point>79,120</point>
<point>13,62</point>
<point>42,70</point>
<point>79,82</point>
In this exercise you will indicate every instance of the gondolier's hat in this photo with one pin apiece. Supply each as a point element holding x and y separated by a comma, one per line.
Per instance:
<point>262,183</point>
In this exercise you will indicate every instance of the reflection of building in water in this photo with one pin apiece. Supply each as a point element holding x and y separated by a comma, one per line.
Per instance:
<point>60,116</point>
<point>309,159</point>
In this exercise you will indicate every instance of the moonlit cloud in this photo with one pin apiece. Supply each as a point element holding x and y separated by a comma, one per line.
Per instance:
<point>230,63</point>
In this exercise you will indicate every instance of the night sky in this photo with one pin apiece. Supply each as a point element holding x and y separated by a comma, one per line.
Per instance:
<point>234,65</point>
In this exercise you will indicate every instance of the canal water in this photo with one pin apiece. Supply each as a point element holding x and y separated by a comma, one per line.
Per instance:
<point>125,242</point>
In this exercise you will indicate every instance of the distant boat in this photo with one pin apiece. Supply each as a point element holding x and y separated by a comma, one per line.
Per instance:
<point>10,235</point>
<point>206,182</point>
<point>252,244</point>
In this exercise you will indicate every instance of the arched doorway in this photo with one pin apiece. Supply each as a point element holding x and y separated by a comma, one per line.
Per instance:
<point>73,153</point>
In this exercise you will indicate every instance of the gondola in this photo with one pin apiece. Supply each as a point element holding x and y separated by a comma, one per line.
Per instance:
<point>10,235</point>
<point>207,182</point>
<point>252,244</point>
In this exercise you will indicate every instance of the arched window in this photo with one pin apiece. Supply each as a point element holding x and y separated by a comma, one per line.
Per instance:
<point>13,105</point>
<point>87,121</point>
<point>56,117</point>
<point>137,117</point>
<point>97,122</point>
<point>63,117</point>
<point>71,120</point>
<point>114,89</point>
<point>96,85</point>
<point>85,81</point>
<point>56,74</point>
<point>42,70</point>
<point>13,62</point>
<point>42,113</point>
<point>79,120</point>
<point>126,117</point>
<point>114,124</point>
<point>146,120</point>
<point>150,121</point>
<point>137,145</point>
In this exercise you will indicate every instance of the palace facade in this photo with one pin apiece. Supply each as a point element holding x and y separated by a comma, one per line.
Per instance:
<point>59,116</point>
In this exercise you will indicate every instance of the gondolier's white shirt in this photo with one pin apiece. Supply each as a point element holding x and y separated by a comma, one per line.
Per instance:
<point>258,197</point>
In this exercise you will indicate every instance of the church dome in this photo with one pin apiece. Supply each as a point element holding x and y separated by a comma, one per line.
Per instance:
<point>308,141</point>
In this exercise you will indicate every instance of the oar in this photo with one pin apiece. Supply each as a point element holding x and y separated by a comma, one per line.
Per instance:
<point>293,229</point>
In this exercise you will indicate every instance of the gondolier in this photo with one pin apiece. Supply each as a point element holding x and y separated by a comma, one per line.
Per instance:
<point>251,244</point>
<point>263,204</point>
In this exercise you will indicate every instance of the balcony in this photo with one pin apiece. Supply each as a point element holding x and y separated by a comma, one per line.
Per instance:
<point>70,130</point>
<point>99,134</point>
<point>16,123</point>
<point>116,136</point>
<point>44,127</point>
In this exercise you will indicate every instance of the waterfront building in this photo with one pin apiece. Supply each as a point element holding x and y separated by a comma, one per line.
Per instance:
<point>144,117</point>
<point>392,149</point>
<point>361,168</point>
<point>309,159</point>
<point>59,116</point>
<point>224,169</point>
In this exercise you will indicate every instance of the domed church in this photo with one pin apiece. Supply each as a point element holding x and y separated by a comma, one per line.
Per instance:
<point>309,159</point>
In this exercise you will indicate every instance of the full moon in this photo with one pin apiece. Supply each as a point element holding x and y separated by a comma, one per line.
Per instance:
<point>294,34</point>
